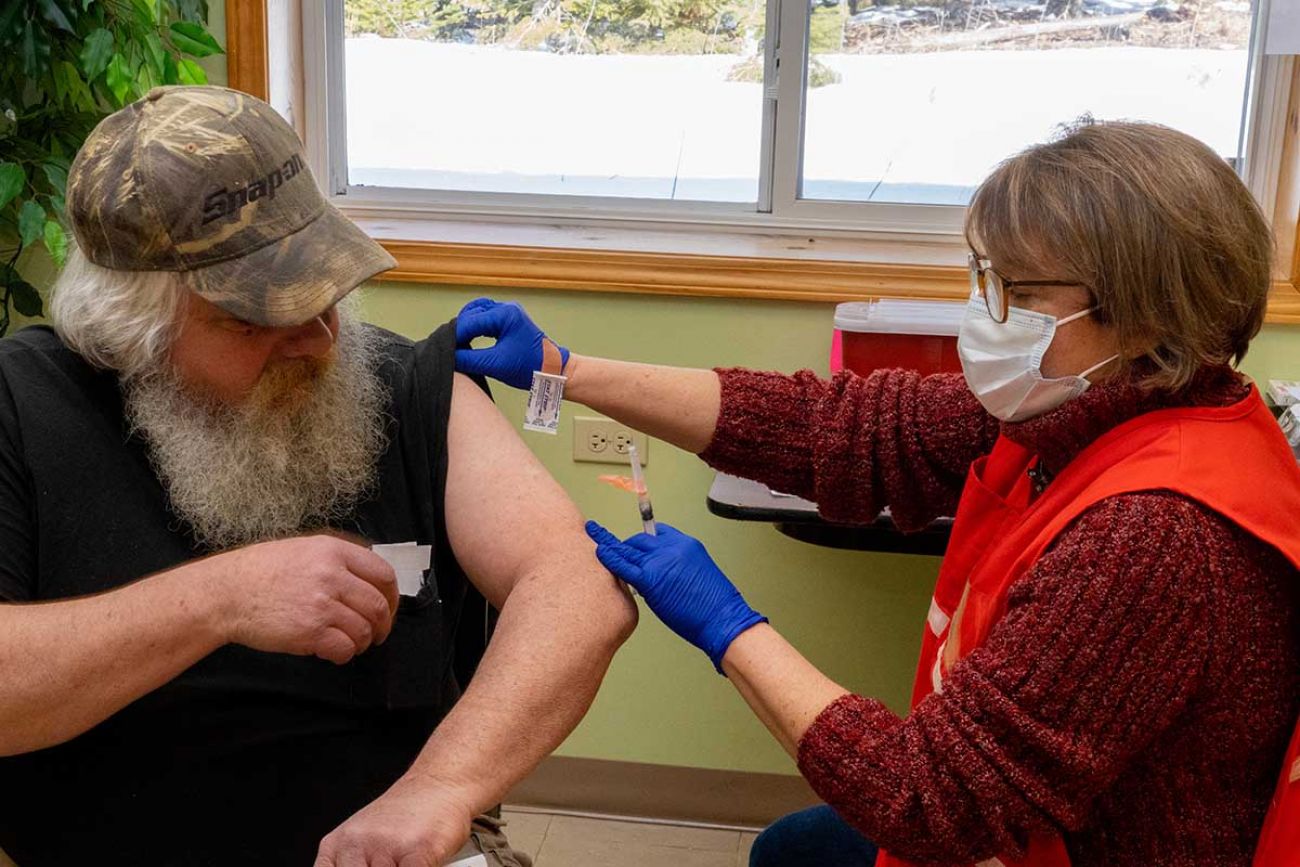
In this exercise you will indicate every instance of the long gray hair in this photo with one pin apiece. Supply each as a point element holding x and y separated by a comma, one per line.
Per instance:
<point>120,320</point>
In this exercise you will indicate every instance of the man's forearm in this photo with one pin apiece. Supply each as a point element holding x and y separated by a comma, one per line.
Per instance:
<point>553,643</point>
<point>676,404</point>
<point>69,665</point>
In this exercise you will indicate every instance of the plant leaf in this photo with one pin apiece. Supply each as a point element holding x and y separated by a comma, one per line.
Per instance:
<point>56,241</point>
<point>26,299</point>
<point>154,52</point>
<point>36,50</point>
<point>57,176</point>
<point>60,83</point>
<point>12,178</point>
<point>82,98</point>
<point>194,40</point>
<point>57,204</point>
<point>171,75</point>
<point>190,72</point>
<point>144,12</point>
<point>51,12</point>
<point>10,21</point>
<point>146,79</point>
<point>118,77</point>
<point>96,52</point>
<point>193,10</point>
<point>31,222</point>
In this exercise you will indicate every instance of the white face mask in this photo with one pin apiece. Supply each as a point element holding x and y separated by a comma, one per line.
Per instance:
<point>1002,361</point>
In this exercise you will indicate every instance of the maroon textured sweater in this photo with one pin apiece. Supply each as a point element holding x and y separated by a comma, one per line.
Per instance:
<point>1138,695</point>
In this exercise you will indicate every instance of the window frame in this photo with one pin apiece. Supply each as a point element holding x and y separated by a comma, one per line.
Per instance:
<point>778,206</point>
<point>804,250</point>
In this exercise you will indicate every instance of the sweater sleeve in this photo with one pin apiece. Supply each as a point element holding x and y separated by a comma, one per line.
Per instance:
<point>1104,642</point>
<point>853,444</point>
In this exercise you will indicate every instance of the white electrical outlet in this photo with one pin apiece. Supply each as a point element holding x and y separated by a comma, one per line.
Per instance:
<point>605,441</point>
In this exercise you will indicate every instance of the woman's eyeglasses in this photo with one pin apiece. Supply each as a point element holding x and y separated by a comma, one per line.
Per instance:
<point>994,288</point>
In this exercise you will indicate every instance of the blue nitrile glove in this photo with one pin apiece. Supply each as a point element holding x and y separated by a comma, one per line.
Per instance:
<point>681,584</point>
<point>518,350</point>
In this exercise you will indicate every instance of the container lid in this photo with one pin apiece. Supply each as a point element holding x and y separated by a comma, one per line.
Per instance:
<point>898,316</point>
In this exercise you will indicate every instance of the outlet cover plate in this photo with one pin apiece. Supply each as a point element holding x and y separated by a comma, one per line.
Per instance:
<point>588,430</point>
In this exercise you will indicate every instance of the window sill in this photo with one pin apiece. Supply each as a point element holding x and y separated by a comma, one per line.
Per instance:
<point>718,264</point>
<point>656,261</point>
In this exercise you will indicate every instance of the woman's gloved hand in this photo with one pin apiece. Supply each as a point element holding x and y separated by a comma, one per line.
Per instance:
<point>681,584</point>
<point>518,350</point>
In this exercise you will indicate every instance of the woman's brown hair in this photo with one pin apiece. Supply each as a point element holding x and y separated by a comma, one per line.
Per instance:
<point>1160,229</point>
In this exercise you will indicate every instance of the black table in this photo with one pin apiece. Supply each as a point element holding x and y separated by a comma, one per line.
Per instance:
<point>744,500</point>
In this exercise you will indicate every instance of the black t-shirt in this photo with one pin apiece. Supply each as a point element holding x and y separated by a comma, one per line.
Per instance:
<point>246,757</point>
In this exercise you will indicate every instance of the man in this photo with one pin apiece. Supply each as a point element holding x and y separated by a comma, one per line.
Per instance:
<point>204,662</point>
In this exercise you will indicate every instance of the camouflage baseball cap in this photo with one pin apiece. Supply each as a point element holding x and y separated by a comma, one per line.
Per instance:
<point>210,183</point>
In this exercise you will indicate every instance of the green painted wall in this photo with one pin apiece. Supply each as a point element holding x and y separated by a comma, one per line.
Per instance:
<point>215,66</point>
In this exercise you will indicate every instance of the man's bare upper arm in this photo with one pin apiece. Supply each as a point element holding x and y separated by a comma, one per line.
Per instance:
<point>506,517</point>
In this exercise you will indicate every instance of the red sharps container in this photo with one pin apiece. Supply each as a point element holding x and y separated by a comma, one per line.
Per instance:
<point>920,335</point>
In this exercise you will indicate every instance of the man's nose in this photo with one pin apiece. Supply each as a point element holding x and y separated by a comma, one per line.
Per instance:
<point>311,339</point>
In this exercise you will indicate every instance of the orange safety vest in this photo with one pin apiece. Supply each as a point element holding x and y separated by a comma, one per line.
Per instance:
<point>1233,460</point>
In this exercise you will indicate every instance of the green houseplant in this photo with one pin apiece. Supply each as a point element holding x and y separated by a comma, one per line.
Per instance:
<point>64,65</point>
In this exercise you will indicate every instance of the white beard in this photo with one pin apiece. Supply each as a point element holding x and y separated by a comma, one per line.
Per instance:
<point>293,456</point>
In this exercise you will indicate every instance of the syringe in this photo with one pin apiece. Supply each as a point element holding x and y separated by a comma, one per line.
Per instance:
<point>642,493</point>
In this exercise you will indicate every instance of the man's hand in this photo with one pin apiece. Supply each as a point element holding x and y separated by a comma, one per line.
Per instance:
<point>316,595</point>
<point>414,824</point>
<point>312,596</point>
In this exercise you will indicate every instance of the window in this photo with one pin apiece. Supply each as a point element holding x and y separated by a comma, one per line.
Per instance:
<point>921,101</point>
<point>785,114</point>
<point>555,97</point>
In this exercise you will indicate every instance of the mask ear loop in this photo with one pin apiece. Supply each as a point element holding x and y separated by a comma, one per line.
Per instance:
<point>1073,316</point>
<point>1082,313</point>
<point>1098,366</point>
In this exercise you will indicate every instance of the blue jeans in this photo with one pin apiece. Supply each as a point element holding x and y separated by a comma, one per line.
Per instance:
<point>815,837</point>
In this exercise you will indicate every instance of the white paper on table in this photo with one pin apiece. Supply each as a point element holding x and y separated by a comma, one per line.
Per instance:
<point>409,561</point>
<point>471,861</point>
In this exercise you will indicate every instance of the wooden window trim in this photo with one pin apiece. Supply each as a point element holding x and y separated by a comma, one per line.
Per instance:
<point>247,65</point>
<point>791,279</point>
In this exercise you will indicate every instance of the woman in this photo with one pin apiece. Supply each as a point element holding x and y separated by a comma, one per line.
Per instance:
<point>1110,672</point>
